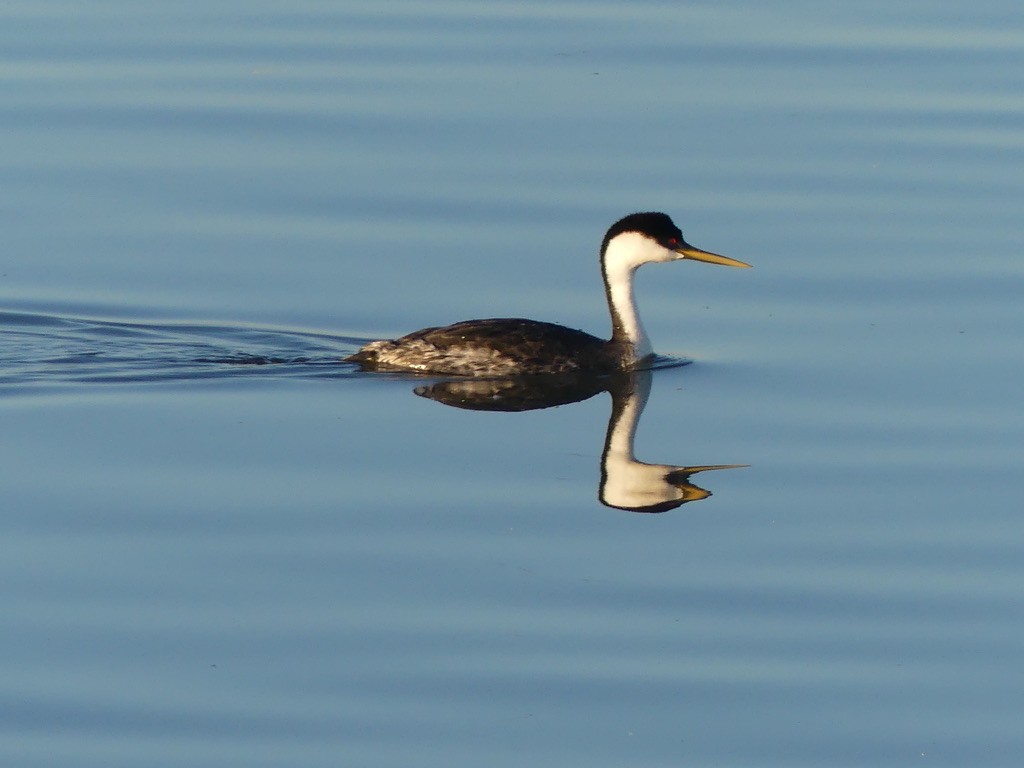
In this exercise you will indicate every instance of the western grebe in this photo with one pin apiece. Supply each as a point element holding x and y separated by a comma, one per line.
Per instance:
<point>514,346</point>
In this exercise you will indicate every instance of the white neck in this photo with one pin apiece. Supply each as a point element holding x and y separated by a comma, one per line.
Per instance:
<point>623,255</point>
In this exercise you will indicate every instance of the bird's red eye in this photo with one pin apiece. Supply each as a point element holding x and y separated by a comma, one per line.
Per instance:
<point>672,241</point>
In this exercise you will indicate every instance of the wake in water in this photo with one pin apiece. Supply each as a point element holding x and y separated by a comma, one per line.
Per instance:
<point>55,349</point>
<point>39,349</point>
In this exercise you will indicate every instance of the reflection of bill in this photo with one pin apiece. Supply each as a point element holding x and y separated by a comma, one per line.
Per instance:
<point>625,482</point>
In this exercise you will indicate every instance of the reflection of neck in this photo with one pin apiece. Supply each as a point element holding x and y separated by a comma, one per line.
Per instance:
<point>630,484</point>
<point>628,403</point>
<point>625,482</point>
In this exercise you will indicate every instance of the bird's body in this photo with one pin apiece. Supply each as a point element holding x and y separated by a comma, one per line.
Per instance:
<point>492,347</point>
<point>515,346</point>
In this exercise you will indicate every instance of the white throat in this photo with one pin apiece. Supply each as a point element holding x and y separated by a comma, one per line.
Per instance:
<point>623,255</point>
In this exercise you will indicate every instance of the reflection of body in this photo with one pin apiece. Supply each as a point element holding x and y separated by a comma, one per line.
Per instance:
<point>625,482</point>
<point>514,346</point>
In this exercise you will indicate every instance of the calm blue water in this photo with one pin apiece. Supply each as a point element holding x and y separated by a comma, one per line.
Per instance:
<point>219,546</point>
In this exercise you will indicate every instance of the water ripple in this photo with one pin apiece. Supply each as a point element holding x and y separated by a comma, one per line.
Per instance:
<point>55,349</point>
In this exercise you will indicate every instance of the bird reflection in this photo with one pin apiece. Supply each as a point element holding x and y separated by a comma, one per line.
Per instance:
<point>625,482</point>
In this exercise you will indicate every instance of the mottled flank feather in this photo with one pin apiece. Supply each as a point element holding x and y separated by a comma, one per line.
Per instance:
<point>494,347</point>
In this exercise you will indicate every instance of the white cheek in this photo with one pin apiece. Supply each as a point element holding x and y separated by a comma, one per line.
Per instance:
<point>631,249</point>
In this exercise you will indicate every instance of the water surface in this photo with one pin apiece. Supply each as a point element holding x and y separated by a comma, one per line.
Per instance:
<point>222,546</point>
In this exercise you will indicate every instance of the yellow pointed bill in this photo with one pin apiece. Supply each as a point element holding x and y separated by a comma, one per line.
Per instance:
<point>687,251</point>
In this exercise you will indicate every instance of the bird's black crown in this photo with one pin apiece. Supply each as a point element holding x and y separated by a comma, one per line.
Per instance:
<point>656,225</point>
